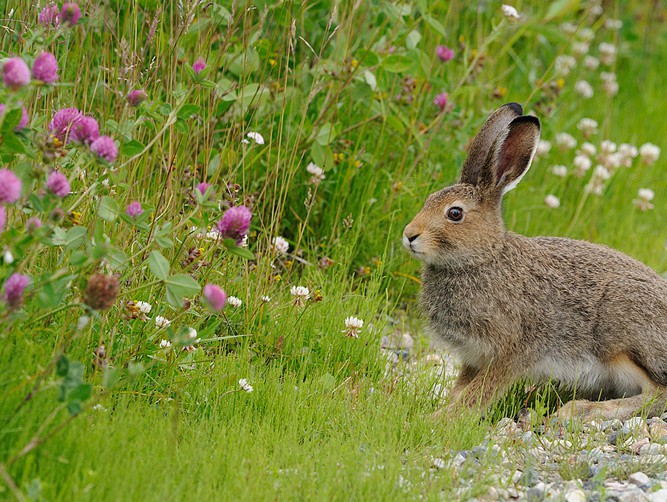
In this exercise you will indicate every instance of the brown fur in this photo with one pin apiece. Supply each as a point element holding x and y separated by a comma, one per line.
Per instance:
<point>546,308</point>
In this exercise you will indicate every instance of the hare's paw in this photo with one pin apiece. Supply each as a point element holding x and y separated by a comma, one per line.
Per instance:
<point>587,411</point>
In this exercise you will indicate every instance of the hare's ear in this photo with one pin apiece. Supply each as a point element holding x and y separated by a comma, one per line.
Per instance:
<point>515,151</point>
<point>477,168</point>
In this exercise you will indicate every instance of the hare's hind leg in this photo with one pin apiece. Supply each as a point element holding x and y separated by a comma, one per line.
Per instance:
<point>652,402</point>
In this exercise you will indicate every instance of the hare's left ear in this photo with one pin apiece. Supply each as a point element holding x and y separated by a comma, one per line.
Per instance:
<point>515,151</point>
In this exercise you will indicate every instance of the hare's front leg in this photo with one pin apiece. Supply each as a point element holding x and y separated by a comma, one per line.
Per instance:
<point>476,388</point>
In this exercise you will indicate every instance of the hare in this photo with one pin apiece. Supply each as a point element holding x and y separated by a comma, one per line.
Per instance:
<point>513,307</point>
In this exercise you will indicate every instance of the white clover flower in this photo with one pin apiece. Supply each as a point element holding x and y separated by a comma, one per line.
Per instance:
<point>280,245</point>
<point>609,83</point>
<point>164,344</point>
<point>645,197</point>
<point>300,294</point>
<point>543,147</point>
<point>582,163</point>
<point>213,235</point>
<point>192,334</point>
<point>244,241</point>
<point>144,307</point>
<point>256,137</point>
<point>266,299</point>
<point>649,153</point>
<point>597,10</point>
<point>353,326</point>
<point>552,201</point>
<point>601,173</point>
<point>613,24</point>
<point>162,322</point>
<point>510,12</point>
<point>568,28</point>
<point>588,149</point>
<point>243,383</point>
<point>438,463</point>
<point>559,170</point>
<point>7,256</point>
<point>565,141</point>
<point>607,53</point>
<point>584,89</point>
<point>596,183</point>
<point>591,63</point>
<point>99,407</point>
<point>317,173</point>
<point>580,48</point>
<point>588,126</point>
<point>627,152</point>
<point>564,64</point>
<point>234,301</point>
<point>607,147</point>
<point>82,322</point>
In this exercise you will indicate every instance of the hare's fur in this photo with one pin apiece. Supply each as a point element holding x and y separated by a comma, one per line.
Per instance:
<point>545,308</point>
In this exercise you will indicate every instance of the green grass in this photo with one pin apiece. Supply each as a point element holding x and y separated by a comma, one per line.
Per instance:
<point>325,419</point>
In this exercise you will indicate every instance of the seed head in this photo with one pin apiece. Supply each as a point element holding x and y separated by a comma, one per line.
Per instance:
<point>101,291</point>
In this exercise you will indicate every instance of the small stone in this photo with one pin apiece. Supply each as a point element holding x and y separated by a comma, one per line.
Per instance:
<point>596,454</point>
<point>529,477</point>
<point>407,342</point>
<point>577,495</point>
<point>491,494</point>
<point>631,496</point>
<point>639,478</point>
<point>638,445</point>
<point>650,449</point>
<point>658,430</point>
<point>659,496</point>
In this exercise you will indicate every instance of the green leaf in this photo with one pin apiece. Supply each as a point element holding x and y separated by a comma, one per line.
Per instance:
<point>74,407</point>
<point>326,134</point>
<point>81,392</point>
<point>413,39</point>
<point>187,110</point>
<point>158,265</point>
<point>108,209</point>
<point>111,377</point>
<point>62,366</point>
<point>328,381</point>
<point>75,237</point>
<point>242,252</point>
<point>117,259</point>
<point>180,286</point>
<point>561,8</point>
<point>132,148</point>
<point>370,79</point>
<point>11,142</point>
<point>11,120</point>
<point>397,63</point>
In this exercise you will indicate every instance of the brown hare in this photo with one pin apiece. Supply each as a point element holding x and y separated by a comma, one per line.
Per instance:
<point>511,306</point>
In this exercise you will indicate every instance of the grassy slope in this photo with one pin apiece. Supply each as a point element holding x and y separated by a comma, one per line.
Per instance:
<point>321,423</point>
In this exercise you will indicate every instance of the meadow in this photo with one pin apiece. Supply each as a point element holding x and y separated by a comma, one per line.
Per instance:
<point>204,290</point>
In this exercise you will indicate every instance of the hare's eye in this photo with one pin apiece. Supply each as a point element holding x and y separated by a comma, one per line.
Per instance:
<point>455,213</point>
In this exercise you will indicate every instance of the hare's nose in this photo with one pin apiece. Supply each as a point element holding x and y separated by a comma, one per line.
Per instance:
<point>411,237</point>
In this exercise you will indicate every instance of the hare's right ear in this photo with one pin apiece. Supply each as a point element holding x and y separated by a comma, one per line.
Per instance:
<point>478,166</point>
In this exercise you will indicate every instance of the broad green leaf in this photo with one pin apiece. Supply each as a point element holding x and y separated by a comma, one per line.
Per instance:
<point>413,39</point>
<point>397,63</point>
<point>111,377</point>
<point>108,209</point>
<point>11,120</point>
<point>158,265</point>
<point>11,142</point>
<point>117,259</point>
<point>62,366</point>
<point>242,252</point>
<point>326,134</point>
<point>133,147</point>
<point>370,79</point>
<point>75,238</point>
<point>180,286</point>
<point>561,8</point>
<point>81,392</point>
<point>187,110</point>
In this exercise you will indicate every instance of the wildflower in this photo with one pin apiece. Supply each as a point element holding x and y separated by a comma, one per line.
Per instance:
<point>552,201</point>
<point>591,63</point>
<point>586,34</point>
<point>134,210</point>
<point>353,326</point>
<point>198,65</point>
<point>15,73</point>
<point>584,89</point>
<point>191,335</point>
<point>444,53</point>
<point>588,127</point>
<point>10,187</point>
<point>565,141</point>
<point>441,101</point>
<point>213,235</point>
<point>235,223</point>
<point>596,183</point>
<point>317,173</point>
<point>613,24</point>
<point>607,53</point>
<point>58,184</point>
<point>48,16</point>
<point>607,147</point>
<point>245,385</point>
<point>144,307</point>
<point>645,197</point>
<point>325,262</point>
<point>627,153</point>
<point>609,83</point>
<point>70,14</point>
<point>234,301</point>
<point>162,322</point>
<point>568,28</point>
<point>215,296</point>
<point>101,291</point>
<point>300,294</point>
<point>564,64</point>
<point>649,153</point>
<point>580,48</point>
<point>7,256</point>
<point>105,148</point>
<point>256,137</point>
<point>24,117</point>
<point>543,147</point>
<point>510,13</point>
<point>266,299</point>
<point>582,163</point>
<point>202,187</point>
<point>14,287</point>
<point>280,245</point>
<point>588,149</point>
<point>136,97</point>
<point>165,344</point>
<point>82,322</point>
<point>63,122</point>
<point>45,68</point>
<point>3,217</point>
<point>85,130</point>
<point>560,171</point>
